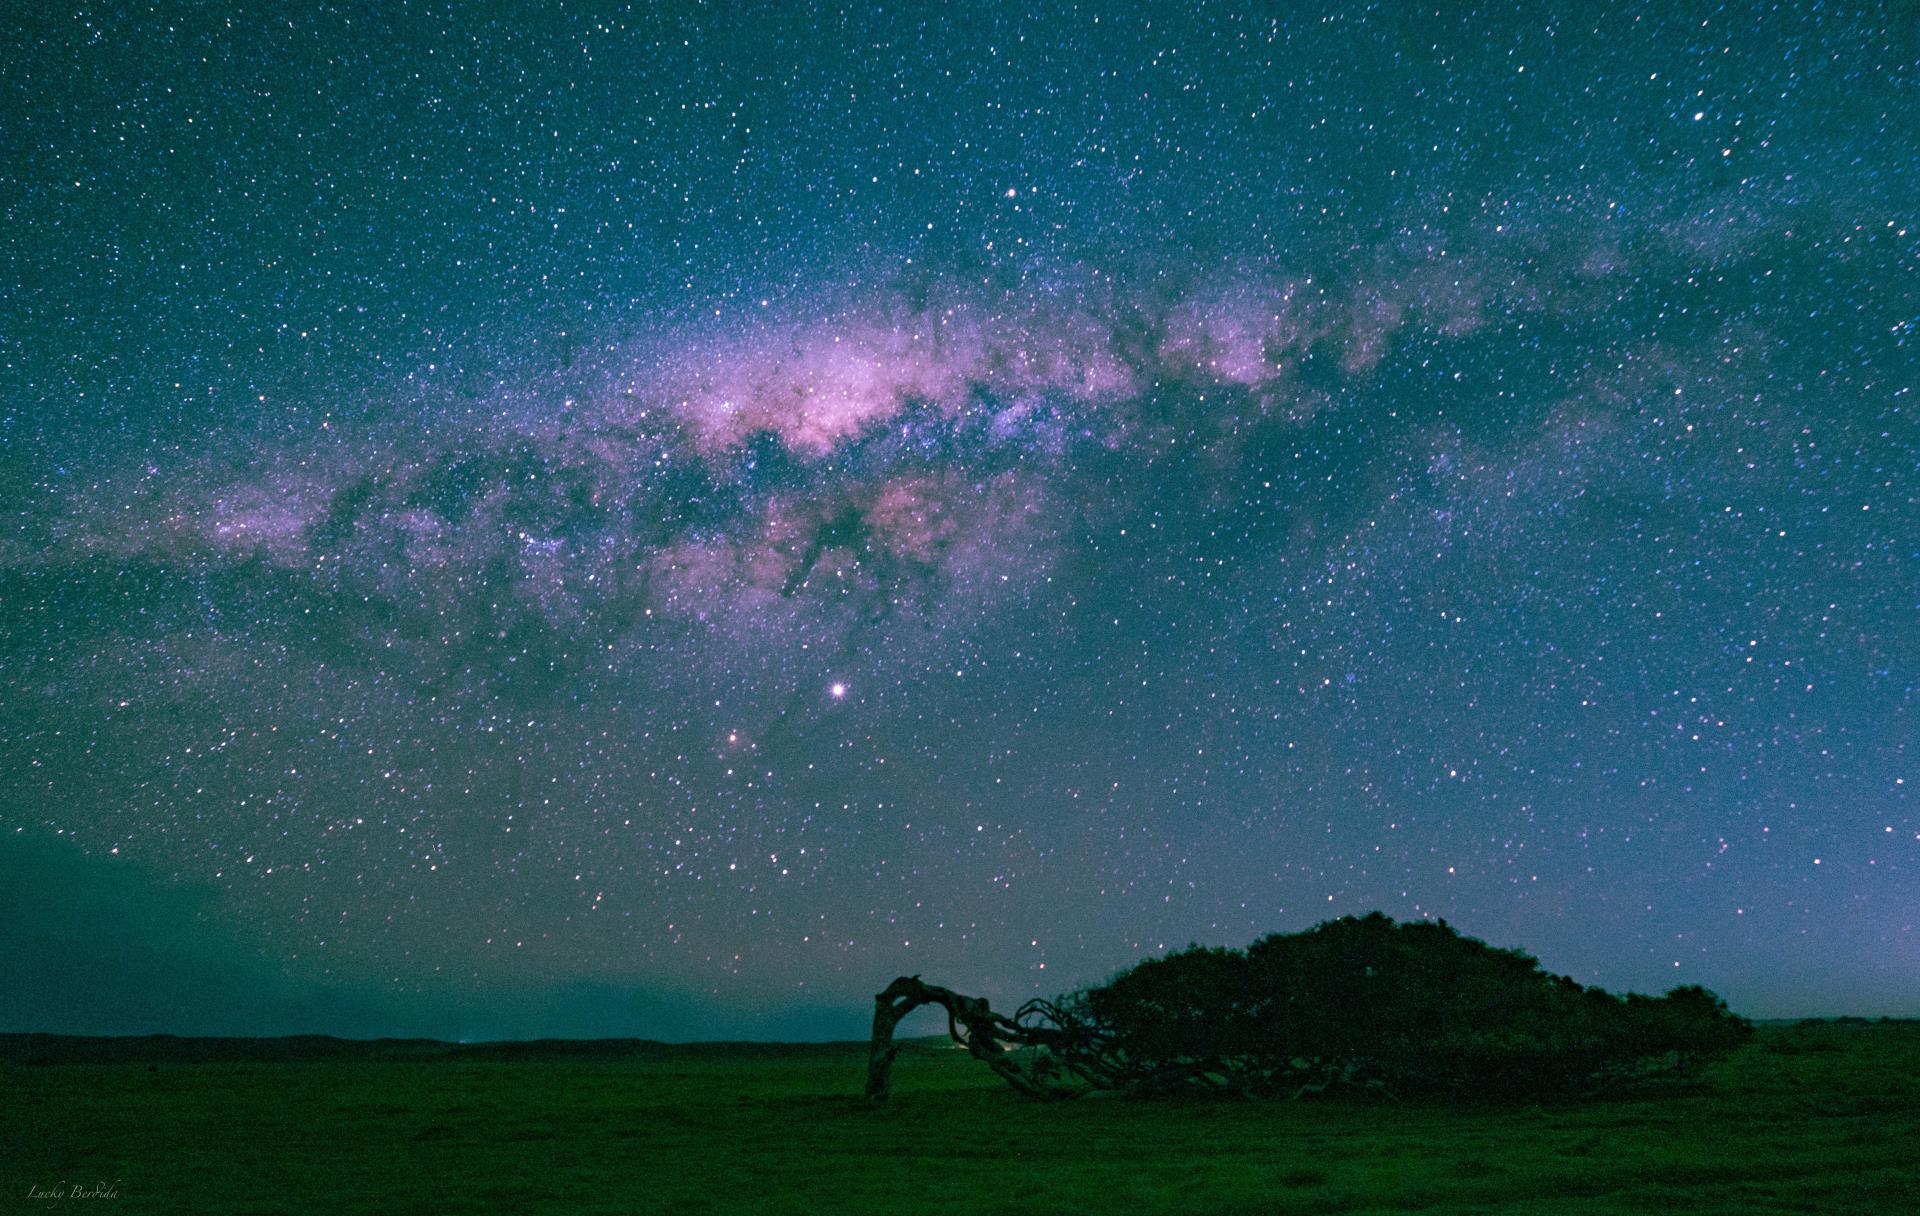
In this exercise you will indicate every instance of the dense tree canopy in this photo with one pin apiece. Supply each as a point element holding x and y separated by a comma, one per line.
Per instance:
<point>1360,1002</point>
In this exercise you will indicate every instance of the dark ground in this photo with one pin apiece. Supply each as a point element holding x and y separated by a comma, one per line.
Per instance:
<point>1811,1117</point>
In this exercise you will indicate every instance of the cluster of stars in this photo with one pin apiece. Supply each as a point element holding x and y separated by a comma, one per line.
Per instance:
<point>730,512</point>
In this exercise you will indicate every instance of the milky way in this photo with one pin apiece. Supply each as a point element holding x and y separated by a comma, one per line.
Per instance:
<point>657,523</point>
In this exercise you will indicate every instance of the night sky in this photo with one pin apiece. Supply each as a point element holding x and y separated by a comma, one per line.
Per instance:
<point>655,521</point>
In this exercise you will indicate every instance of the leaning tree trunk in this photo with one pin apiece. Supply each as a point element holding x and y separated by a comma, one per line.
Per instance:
<point>987,1036</point>
<point>1067,1055</point>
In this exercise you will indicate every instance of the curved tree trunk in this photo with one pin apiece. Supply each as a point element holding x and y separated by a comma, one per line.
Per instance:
<point>986,1035</point>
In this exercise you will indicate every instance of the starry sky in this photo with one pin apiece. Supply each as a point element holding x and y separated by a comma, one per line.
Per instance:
<point>654,520</point>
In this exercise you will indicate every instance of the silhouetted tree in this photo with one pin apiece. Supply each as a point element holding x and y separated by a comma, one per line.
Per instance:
<point>1360,1002</point>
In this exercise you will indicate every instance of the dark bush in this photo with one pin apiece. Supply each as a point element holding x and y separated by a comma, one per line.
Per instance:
<point>1363,1001</point>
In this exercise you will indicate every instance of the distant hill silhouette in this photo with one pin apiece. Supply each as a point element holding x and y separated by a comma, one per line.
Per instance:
<point>59,1049</point>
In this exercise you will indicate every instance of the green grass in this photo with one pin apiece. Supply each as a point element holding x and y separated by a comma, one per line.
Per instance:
<point>1814,1119</point>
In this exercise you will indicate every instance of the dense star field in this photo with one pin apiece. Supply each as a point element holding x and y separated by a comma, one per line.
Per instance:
<point>655,521</point>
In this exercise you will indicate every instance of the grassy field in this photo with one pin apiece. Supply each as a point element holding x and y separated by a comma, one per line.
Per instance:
<point>1815,1118</point>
